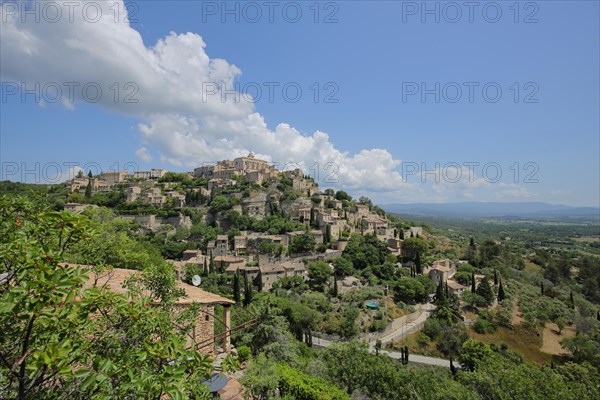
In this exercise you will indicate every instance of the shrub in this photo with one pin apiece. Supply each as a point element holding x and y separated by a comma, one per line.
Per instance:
<point>483,326</point>
<point>244,353</point>
<point>301,386</point>
<point>432,328</point>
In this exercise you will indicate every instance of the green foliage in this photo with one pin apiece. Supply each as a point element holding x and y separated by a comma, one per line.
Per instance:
<point>485,290</point>
<point>343,266</point>
<point>244,353</point>
<point>365,251</point>
<point>305,387</point>
<point>219,203</point>
<point>63,339</point>
<point>463,277</point>
<point>304,243</point>
<point>484,324</point>
<point>413,290</point>
<point>413,246</point>
<point>319,273</point>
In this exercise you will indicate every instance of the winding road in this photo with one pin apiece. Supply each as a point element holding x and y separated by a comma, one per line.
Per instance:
<point>409,324</point>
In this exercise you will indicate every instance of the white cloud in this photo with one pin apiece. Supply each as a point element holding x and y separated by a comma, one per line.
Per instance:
<point>144,154</point>
<point>171,87</point>
<point>179,117</point>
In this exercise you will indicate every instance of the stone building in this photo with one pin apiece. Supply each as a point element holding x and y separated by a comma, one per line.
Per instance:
<point>202,336</point>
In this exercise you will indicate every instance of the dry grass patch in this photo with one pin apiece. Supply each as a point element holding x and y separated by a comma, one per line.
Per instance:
<point>520,340</point>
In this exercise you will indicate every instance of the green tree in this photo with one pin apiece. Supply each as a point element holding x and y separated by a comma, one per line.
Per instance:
<point>342,266</point>
<point>501,294</point>
<point>418,266</point>
<point>237,297</point>
<point>413,246</point>
<point>247,291</point>
<point>319,272</point>
<point>485,290</point>
<point>304,243</point>
<point>61,338</point>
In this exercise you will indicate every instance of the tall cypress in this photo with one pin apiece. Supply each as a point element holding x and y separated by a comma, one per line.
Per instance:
<point>248,292</point>
<point>485,290</point>
<point>473,283</point>
<point>259,283</point>
<point>572,299</point>
<point>418,264</point>
<point>335,286</point>
<point>236,288</point>
<point>495,277</point>
<point>501,294</point>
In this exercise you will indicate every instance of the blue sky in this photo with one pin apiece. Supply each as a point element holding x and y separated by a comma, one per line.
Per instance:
<point>377,132</point>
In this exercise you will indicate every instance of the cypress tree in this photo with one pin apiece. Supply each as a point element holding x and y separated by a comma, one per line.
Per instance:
<point>501,294</point>
<point>248,292</point>
<point>419,267</point>
<point>473,282</point>
<point>395,233</point>
<point>440,294</point>
<point>542,287</point>
<point>259,283</point>
<point>327,238</point>
<point>236,288</point>
<point>572,299</point>
<point>335,286</point>
<point>405,354</point>
<point>401,233</point>
<point>485,290</point>
<point>88,188</point>
<point>495,277</point>
<point>452,367</point>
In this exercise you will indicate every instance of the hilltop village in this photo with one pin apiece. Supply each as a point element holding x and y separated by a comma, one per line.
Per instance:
<point>318,224</point>
<point>274,287</point>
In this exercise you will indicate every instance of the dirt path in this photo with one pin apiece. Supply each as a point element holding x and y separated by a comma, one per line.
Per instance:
<point>551,339</point>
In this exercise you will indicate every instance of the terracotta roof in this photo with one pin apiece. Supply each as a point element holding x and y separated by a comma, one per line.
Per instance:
<point>115,279</point>
<point>271,268</point>
<point>439,268</point>
<point>454,285</point>
<point>241,266</point>
<point>228,259</point>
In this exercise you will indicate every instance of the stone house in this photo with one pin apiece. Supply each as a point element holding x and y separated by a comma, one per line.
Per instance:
<point>221,245</point>
<point>439,274</point>
<point>240,244</point>
<point>202,336</point>
<point>455,287</point>
<point>133,193</point>
<point>178,198</point>
<point>114,177</point>
<point>362,210</point>
<point>271,273</point>
<point>154,196</point>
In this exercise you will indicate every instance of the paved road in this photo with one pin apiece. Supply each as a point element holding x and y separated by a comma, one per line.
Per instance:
<point>408,325</point>
<point>399,334</point>
<point>413,358</point>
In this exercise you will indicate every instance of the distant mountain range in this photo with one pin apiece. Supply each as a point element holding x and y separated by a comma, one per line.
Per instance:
<point>482,210</point>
